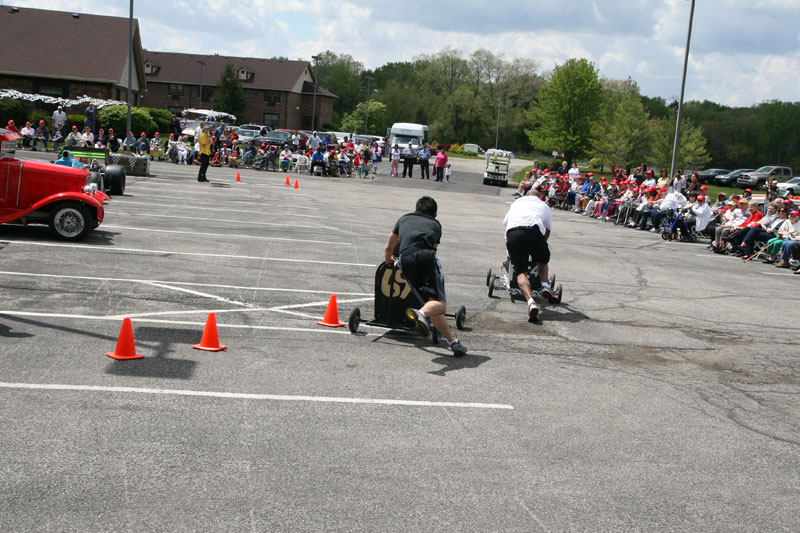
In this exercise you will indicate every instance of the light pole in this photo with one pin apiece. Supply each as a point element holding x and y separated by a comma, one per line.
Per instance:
<point>369,99</point>
<point>680,102</point>
<point>314,105</point>
<point>202,64</point>
<point>497,131</point>
<point>130,67</point>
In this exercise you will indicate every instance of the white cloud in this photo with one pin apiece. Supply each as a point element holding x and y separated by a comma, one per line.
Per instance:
<point>732,40</point>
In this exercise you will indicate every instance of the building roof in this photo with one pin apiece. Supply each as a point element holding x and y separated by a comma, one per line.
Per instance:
<point>269,74</point>
<point>35,44</point>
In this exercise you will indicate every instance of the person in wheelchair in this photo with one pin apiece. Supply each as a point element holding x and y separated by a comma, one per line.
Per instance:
<point>412,247</point>
<point>527,228</point>
<point>671,203</point>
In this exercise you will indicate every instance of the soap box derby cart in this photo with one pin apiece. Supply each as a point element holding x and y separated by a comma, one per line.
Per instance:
<point>34,192</point>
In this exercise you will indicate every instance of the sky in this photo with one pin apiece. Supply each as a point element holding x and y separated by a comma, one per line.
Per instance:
<point>743,52</point>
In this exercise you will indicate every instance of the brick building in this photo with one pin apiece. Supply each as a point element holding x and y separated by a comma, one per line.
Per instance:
<point>279,93</point>
<point>36,60</point>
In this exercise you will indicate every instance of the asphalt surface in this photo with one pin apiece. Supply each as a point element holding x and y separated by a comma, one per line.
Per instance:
<point>662,394</point>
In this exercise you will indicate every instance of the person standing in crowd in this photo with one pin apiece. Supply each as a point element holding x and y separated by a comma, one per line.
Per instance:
<point>59,118</point>
<point>424,156</point>
<point>205,153</point>
<point>91,118</point>
<point>395,160</point>
<point>409,158</point>
<point>447,172</point>
<point>439,165</point>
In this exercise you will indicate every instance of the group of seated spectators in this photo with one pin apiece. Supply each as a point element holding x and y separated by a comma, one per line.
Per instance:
<point>677,209</point>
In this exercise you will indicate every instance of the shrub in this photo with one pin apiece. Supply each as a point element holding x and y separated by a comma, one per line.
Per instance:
<point>74,119</point>
<point>161,118</point>
<point>11,109</point>
<point>595,162</point>
<point>116,116</point>
<point>36,115</point>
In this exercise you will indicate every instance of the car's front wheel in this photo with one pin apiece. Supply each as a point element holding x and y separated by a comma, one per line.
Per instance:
<point>70,221</point>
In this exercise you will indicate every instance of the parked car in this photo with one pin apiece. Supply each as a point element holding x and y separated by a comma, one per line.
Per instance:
<point>792,187</point>
<point>64,198</point>
<point>709,175</point>
<point>729,179</point>
<point>758,178</point>
<point>276,137</point>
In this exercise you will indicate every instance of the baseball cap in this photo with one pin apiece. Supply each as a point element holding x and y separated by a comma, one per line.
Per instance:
<point>701,198</point>
<point>703,188</point>
<point>794,212</point>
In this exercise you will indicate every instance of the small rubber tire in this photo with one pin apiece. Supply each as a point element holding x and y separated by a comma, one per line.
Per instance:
<point>491,286</point>
<point>692,237</point>
<point>552,280</point>
<point>559,292</point>
<point>115,179</point>
<point>70,221</point>
<point>488,277</point>
<point>461,317</point>
<point>96,178</point>
<point>354,320</point>
<point>665,236</point>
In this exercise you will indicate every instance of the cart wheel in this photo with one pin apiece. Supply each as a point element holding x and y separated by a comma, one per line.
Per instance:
<point>461,317</point>
<point>559,292</point>
<point>491,285</point>
<point>552,280</point>
<point>692,237</point>
<point>434,336</point>
<point>488,277</point>
<point>665,235</point>
<point>354,320</point>
<point>682,237</point>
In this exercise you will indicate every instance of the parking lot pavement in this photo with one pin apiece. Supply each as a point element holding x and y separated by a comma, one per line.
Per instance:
<point>661,394</point>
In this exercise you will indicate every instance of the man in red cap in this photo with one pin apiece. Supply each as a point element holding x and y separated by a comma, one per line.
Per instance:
<point>74,137</point>
<point>11,126</point>
<point>27,135</point>
<point>42,135</point>
<point>156,147</point>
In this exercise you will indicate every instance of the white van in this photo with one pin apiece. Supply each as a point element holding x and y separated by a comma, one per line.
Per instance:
<point>404,132</point>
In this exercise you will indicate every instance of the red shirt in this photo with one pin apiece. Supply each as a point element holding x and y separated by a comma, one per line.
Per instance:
<point>752,219</point>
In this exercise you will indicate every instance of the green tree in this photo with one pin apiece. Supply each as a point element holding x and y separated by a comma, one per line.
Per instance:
<point>116,117</point>
<point>354,122</point>
<point>620,134</point>
<point>561,118</point>
<point>229,95</point>
<point>692,152</point>
<point>342,75</point>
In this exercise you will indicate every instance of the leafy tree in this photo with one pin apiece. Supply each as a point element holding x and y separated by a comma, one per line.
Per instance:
<point>354,122</point>
<point>568,103</point>
<point>229,95</point>
<point>692,152</point>
<point>342,75</point>
<point>116,116</point>
<point>12,109</point>
<point>620,135</point>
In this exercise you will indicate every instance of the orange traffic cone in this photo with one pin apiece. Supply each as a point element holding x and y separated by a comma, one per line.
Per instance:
<point>126,348</point>
<point>210,340</point>
<point>296,184</point>
<point>238,177</point>
<point>331,318</point>
<point>287,182</point>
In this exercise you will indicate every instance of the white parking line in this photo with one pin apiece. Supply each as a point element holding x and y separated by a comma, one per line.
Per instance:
<point>239,222</point>
<point>190,254</point>
<point>227,235</point>
<point>198,293</point>
<point>188,283</point>
<point>179,207</point>
<point>249,396</point>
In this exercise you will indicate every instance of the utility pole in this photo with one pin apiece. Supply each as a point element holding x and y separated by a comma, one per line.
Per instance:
<point>680,102</point>
<point>314,105</point>
<point>202,64</point>
<point>497,131</point>
<point>369,99</point>
<point>130,67</point>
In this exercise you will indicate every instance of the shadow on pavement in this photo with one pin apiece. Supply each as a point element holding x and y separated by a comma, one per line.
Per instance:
<point>5,331</point>
<point>158,365</point>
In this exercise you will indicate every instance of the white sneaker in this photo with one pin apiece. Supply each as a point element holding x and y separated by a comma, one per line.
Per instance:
<point>533,312</point>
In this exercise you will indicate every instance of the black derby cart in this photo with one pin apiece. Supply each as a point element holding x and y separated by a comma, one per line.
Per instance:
<point>507,282</point>
<point>393,295</point>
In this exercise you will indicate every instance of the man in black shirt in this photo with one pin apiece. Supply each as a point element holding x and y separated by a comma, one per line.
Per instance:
<point>412,245</point>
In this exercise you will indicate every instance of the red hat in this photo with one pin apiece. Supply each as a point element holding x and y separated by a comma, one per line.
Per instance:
<point>701,198</point>
<point>263,145</point>
<point>10,121</point>
<point>172,135</point>
<point>703,188</point>
<point>636,189</point>
<point>74,127</point>
<point>794,212</point>
<point>615,182</point>
<point>662,189</point>
<point>157,133</point>
<point>749,190</point>
<point>735,197</point>
<point>143,133</point>
<point>788,202</point>
<point>650,172</point>
<point>27,123</point>
<point>590,174</point>
<point>41,122</point>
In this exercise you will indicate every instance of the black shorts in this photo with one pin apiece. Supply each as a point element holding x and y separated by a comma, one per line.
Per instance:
<point>526,245</point>
<point>423,272</point>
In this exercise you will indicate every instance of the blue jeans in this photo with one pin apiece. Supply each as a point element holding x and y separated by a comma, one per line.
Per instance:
<point>753,235</point>
<point>424,169</point>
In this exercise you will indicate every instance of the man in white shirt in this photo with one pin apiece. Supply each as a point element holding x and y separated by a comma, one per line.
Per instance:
<point>671,202</point>
<point>650,180</point>
<point>314,141</point>
<point>27,135</point>
<point>574,172</point>
<point>59,118</point>
<point>702,214</point>
<point>528,224</point>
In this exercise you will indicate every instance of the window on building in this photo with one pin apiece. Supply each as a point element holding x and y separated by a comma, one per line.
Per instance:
<point>148,68</point>
<point>272,98</point>
<point>175,90</point>
<point>243,74</point>
<point>51,90</point>
<point>175,110</point>
<point>208,92</point>
<point>271,120</point>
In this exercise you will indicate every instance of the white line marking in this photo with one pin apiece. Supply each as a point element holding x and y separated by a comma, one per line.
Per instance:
<point>179,207</point>
<point>198,293</point>
<point>189,283</point>
<point>778,273</point>
<point>192,254</point>
<point>242,222</point>
<point>248,396</point>
<point>227,235</point>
